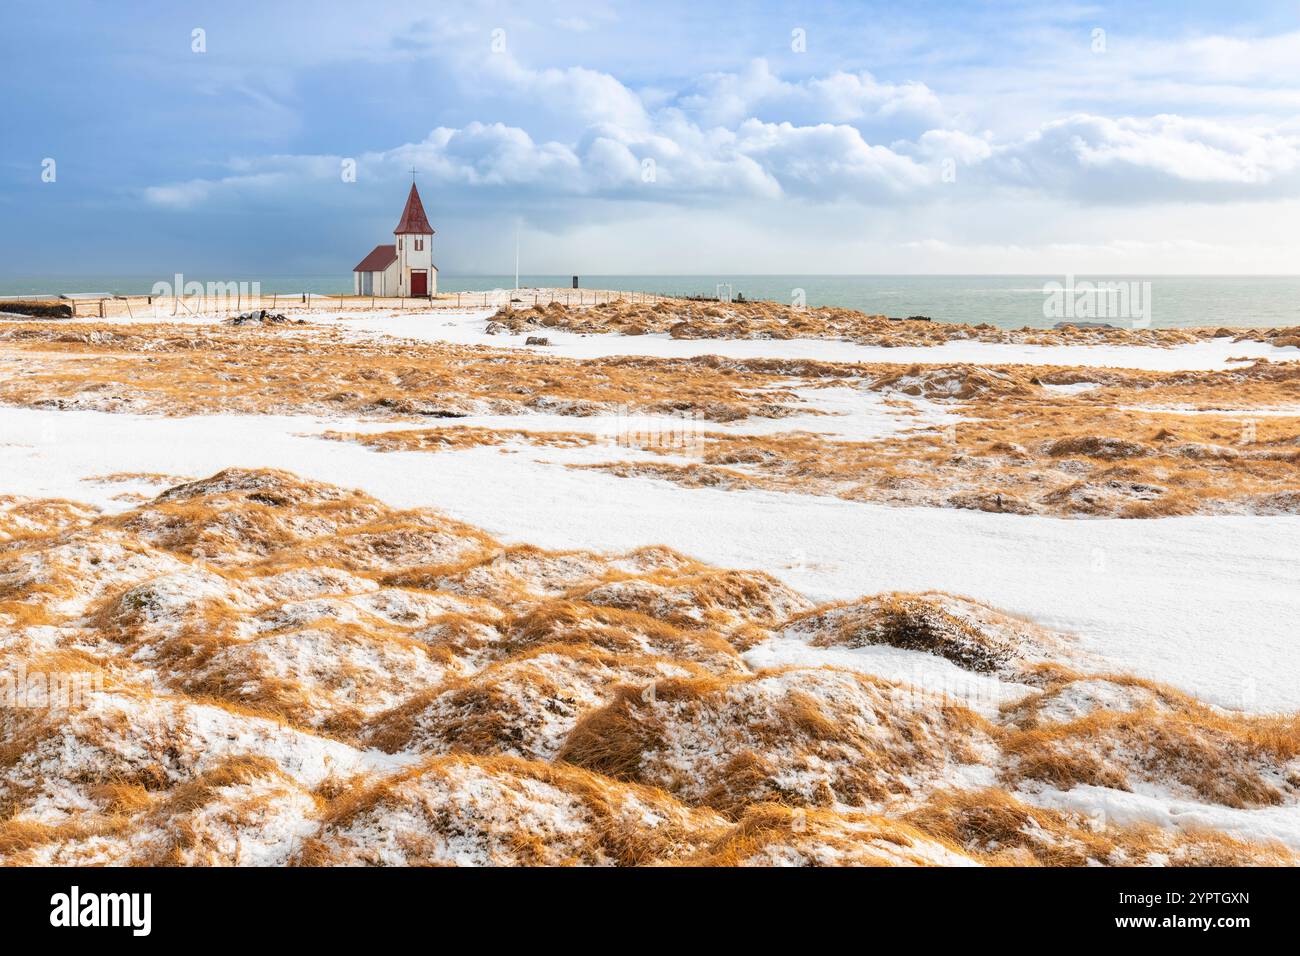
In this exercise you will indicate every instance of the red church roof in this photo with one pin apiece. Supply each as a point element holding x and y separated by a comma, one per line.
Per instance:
<point>380,258</point>
<point>414,221</point>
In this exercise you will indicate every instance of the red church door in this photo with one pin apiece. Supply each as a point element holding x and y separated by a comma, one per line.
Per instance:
<point>419,282</point>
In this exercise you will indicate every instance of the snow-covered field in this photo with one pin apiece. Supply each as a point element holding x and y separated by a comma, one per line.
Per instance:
<point>1204,603</point>
<point>468,710</point>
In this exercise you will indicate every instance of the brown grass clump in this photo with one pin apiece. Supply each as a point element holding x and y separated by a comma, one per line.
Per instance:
<point>804,738</point>
<point>620,631</point>
<point>525,705</point>
<point>997,829</point>
<point>957,382</point>
<point>770,834</point>
<point>513,575</point>
<point>506,812</point>
<point>956,629</point>
<point>447,439</point>
<point>1093,446</point>
<point>709,599</point>
<point>1119,731</point>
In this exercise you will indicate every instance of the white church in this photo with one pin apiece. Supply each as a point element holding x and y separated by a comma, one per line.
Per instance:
<point>405,268</point>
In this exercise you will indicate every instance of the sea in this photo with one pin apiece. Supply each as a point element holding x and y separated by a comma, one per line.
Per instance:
<point>1006,301</point>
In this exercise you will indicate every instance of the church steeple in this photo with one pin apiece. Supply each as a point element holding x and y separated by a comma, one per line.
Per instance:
<point>414,221</point>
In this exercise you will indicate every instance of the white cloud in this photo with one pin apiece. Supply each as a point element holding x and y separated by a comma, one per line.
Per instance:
<point>568,96</point>
<point>1157,158</point>
<point>481,155</point>
<point>952,144</point>
<point>726,99</point>
<point>180,195</point>
<point>829,162</point>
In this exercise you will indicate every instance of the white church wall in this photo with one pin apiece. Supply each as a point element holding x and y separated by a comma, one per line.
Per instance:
<point>388,278</point>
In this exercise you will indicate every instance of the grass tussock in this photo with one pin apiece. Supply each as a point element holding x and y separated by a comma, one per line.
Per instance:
<point>1170,739</point>
<point>956,629</point>
<point>997,829</point>
<point>804,738</point>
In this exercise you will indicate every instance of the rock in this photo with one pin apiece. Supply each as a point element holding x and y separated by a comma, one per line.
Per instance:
<point>1084,325</point>
<point>261,317</point>
<point>991,501</point>
<point>415,406</point>
<point>537,340</point>
<point>37,309</point>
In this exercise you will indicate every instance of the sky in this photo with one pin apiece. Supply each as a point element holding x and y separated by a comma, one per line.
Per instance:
<point>236,138</point>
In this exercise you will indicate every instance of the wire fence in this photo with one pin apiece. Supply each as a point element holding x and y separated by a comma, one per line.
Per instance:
<point>142,306</point>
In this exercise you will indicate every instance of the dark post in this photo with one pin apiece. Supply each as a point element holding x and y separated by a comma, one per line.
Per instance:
<point>575,282</point>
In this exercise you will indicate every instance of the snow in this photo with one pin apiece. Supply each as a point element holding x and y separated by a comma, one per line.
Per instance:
<point>470,328</point>
<point>1205,603</point>
<point>1122,808</point>
<point>1084,697</point>
<point>1073,389</point>
<point>928,674</point>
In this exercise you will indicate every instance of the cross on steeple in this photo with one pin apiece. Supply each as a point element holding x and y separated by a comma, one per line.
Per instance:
<point>412,174</point>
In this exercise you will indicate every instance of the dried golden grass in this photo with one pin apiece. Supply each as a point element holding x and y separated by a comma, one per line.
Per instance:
<point>624,668</point>
<point>997,829</point>
<point>729,742</point>
<point>195,371</point>
<point>625,824</point>
<point>763,319</point>
<point>1065,456</point>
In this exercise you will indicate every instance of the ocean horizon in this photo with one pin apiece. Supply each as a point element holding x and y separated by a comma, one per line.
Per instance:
<point>1007,301</point>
